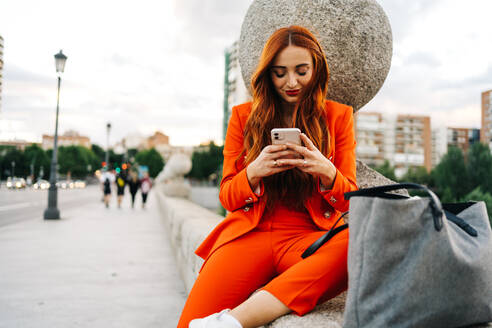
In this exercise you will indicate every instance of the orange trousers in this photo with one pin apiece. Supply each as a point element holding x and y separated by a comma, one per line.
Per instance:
<point>269,258</point>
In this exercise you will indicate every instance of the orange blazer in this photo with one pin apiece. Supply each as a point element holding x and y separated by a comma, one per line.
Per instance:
<point>246,208</point>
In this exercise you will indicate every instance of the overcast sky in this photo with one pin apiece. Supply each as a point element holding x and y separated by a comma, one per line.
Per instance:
<point>158,65</point>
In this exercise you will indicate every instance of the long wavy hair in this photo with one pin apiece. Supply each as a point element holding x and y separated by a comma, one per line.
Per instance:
<point>291,187</point>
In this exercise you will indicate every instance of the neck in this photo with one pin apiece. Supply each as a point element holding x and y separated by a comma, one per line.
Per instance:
<point>287,112</point>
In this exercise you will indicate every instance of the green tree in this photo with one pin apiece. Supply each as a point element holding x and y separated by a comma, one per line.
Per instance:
<point>99,153</point>
<point>478,195</point>
<point>387,170</point>
<point>206,159</point>
<point>451,173</point>
<point>417,175</point>
<point>38,158</point>
<point>20,168</point>
<point>152,159</point>
<point>75,159</point>
<point>479,167</point>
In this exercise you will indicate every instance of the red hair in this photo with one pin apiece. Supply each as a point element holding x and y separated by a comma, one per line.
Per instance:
<point>308,116</point>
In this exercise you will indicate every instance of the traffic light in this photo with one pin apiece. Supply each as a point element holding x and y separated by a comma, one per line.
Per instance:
<point>124,166</point>
<point>103,164</point>
<point>118,170</point>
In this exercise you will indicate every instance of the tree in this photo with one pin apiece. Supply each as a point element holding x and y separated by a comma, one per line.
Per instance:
<point>387,170</point>
<point>37,158</point>
<point>206,160</point>
<point>451,173</point>
<point>417,175</point>
<point>478,195</point>
<point>152,159</point>
<point>20,167</point>
<point>75,159</point>
<point>99,153</point>
<point>479,167</point>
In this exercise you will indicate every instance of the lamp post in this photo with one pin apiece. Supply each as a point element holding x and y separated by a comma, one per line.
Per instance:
<point>52,212</point>
<point>108,127</point>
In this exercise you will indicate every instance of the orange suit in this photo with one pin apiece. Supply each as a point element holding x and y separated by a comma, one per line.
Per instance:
<point>247,250</point>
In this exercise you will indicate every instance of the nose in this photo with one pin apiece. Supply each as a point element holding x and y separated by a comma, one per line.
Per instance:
<point>292,82</point>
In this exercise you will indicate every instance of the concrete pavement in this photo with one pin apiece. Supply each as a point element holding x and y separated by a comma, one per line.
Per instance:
<point>96,267</point>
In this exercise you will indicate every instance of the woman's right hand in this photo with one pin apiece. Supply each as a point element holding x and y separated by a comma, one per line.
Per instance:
<point>266,163</point>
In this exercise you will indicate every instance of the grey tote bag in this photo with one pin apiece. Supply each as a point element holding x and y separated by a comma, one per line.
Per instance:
<point>414,262</point>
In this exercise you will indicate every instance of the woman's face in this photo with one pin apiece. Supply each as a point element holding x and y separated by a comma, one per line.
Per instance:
<point>291,71</point>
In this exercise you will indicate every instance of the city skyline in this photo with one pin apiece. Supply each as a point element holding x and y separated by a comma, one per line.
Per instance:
<point>159,66</point>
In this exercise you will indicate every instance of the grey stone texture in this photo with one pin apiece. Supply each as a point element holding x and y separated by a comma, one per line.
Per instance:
<point>355,35</point>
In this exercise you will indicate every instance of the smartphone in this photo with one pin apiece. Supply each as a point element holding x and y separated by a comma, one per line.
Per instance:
<point>281,136</point>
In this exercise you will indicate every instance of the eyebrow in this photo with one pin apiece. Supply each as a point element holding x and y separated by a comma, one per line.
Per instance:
<point>297,66</point>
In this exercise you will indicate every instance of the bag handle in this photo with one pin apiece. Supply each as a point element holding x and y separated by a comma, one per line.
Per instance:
<point>326,236</point>
<point>437,211</point>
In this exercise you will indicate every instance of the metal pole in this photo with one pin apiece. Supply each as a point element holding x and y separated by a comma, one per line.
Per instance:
<point>108,126</point>
<point>52,212</point>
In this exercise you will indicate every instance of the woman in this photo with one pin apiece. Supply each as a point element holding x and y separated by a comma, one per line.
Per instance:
<point>281,198</point>
<point>133,185</point>
<point>145,186</point>
<point>120,187</point>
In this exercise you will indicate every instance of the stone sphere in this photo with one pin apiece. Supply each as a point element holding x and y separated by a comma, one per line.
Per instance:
<point>355,36</point>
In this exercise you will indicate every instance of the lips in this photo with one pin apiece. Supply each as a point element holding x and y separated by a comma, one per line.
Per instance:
<point>292,93</point>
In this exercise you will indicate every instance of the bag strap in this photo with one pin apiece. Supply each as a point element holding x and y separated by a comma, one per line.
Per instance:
<point>435,203</point>
<point>461,223</point>
<point>327,236</point>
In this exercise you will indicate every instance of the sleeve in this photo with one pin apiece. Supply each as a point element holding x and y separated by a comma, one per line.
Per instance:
<point>235,191</point>
<point>345,179</point>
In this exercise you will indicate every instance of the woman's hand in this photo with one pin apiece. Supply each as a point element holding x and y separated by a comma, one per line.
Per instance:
<point>268,163</point>
<point>313,162</point>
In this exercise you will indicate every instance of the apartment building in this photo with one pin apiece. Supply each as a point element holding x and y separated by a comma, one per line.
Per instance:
<point>462,138</point>
<point>486,131</point>
<point>235,91</point>
<point>403,140</point>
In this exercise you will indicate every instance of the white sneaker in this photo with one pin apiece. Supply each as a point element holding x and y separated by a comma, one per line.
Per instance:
<point>221,319</point>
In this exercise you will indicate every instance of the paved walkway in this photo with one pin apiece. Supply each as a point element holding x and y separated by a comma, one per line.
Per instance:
<point>96,267</point>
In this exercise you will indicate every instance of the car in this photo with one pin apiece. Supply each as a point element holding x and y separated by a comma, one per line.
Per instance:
<point>41,184</point>
<point>79,184</point>
<point>15,183</point>
<point>65,184</point>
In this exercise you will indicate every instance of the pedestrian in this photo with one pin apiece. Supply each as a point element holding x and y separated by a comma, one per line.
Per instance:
<point>107,178</point>
<point>280,198</point>
<point>145,186</point>
<point>120,187</point>
<point>133,185</point>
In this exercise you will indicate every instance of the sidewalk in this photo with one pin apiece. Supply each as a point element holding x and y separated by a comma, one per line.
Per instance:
<point>96,267</point>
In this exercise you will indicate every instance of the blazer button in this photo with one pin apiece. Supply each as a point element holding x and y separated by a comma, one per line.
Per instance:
<point>249,200</point>
<point>246,209</point>
<point>327,214</point>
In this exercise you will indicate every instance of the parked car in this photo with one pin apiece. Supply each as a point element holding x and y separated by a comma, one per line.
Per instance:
<point>41,184</point>
<point>79,184</point>
<point>65,184</point>
<point>15,183</point>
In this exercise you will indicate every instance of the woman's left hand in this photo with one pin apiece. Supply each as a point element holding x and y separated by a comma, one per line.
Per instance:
<point>313,161</point>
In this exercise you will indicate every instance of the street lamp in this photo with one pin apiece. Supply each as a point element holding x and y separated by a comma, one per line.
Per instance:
<point>108,127</point>
<point>52,212</point>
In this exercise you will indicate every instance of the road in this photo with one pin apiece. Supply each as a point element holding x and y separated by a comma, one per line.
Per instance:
<point>28,204</point>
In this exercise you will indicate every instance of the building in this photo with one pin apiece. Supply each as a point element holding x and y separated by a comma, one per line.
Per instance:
<point>413,143</point>
<point>1,70</point>
<point>462,138</point>
<point>235,91</point>
<point>370,129</point>
<point>158,139</point>
<point>404,141</point>
<point>439,144</point>
<point>486,131</point>
<point>69,138</point>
